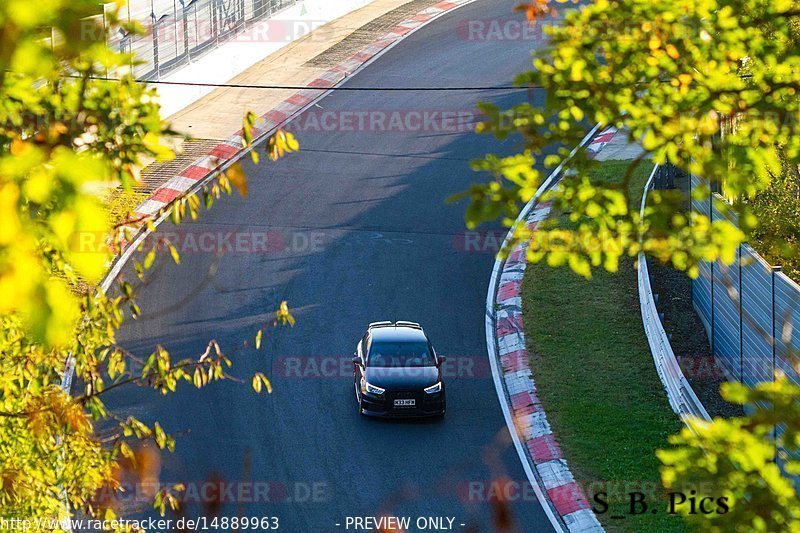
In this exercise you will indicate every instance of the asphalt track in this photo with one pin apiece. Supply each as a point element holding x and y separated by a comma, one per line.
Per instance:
<point>358,231</point>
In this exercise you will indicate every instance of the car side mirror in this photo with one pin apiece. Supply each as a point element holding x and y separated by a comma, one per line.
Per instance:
<point>442,359</point>
<point>357,360</point>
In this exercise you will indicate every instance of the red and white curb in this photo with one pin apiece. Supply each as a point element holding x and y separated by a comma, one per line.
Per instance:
<point>561,497</point>
<point>233,145</point>
<point>601,140</point>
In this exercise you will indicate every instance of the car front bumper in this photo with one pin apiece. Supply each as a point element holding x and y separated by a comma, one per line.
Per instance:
<point>383,407</point>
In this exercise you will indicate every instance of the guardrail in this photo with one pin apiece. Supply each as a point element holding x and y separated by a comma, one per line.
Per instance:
<point>679,392</point>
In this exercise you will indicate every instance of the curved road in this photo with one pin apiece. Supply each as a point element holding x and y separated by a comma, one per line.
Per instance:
<point>364,234</point>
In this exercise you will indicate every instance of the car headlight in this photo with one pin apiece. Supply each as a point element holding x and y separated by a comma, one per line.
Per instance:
<point>434,388</point>
<point>372,389</point>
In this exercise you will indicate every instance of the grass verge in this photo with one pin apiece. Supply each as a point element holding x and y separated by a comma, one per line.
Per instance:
<point>597,381</point>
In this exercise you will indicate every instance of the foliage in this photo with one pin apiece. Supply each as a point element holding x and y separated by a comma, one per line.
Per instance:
<point>669,73</point>
<point>67,138</point>
<point>778,211</point>
<point>735,458</point>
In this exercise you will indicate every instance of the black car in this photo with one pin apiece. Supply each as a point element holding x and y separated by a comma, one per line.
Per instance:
<point>397,372</point>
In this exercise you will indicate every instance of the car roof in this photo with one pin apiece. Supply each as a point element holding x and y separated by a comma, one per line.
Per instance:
<point>397,334</point>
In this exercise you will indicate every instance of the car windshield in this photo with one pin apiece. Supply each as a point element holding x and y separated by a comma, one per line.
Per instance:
<point>400,354</point>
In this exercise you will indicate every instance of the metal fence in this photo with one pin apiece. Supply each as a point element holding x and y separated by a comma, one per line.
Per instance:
<point>751,310</point>
<point>179,30</point>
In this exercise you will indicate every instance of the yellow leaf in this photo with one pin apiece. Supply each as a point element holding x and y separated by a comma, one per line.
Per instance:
<point>259,379</point>
<point>672,51</point>
<point>284,315</point>
<point>174,253</point>
<point>160,151</point>
<point>236,176</point>
<point>9,220</point>
<point>281,143</point>
<point>655,43</point>
<point>580,265</point>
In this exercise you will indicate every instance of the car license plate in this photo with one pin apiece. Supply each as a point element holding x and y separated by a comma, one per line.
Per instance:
<point>405,403</point>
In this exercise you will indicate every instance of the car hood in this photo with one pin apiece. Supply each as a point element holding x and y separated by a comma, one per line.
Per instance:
<point>402,378</point>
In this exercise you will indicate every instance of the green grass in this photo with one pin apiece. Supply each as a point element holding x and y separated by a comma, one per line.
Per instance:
<point>597,381</point>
